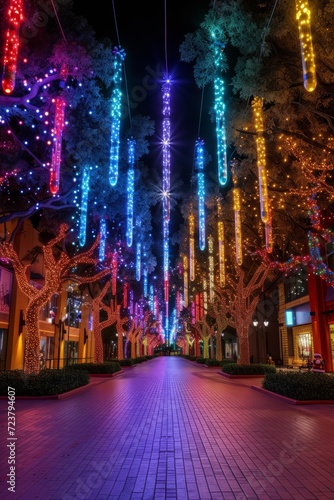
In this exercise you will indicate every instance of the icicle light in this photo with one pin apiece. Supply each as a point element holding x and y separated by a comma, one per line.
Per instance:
<point>269,233</point>
<point>130,191</point>
<point>257,106</point>
<point>237,224</point>
<point>303,16</point>
<point>191,220</point>
<point>103,233</point>
<point>211,269</point>
<point>185,281</point>
<point>220,113</point>
<point>201,191</point>
<point>114,269</point>
<point>57,144</point>
<point>11,50</point>
<point>84,207</point>
<point>138,262</point>
<point>116,98</point>
<point>221,246</point>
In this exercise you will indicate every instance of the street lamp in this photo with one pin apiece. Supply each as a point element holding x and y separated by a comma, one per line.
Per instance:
<point>256,324</point>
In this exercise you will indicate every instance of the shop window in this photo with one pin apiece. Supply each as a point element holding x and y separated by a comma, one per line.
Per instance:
<point>304,346</point>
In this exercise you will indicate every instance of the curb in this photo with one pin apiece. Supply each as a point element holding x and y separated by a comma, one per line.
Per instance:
<point>227,375</point>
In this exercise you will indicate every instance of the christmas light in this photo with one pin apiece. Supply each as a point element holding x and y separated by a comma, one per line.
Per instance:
<point>138,262</point>
<point>257,105</point>
<point>15,18</point>
<point>199,147</point>
<point>116,98</point>
<point>185,281</point>
<point>220,113</point>
<point>303,16</point>
<point>130,191</point>
<point>166,183</point>
<point>84,207</point>
<point>103,229</point>
<point>57,145</point>
<point>221,246</point>
<point>269,232</point>
<point>237,224</point>
<point>114,268</point>
<point>191,220</point>
<point>211,269</point>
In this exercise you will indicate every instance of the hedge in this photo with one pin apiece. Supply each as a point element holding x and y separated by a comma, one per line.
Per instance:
<point>307,386</point>
<point>252,369</point>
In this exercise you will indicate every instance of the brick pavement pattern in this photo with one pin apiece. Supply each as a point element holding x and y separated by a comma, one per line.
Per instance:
<point>169,429</point>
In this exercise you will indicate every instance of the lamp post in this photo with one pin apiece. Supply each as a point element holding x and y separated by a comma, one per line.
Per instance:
<point>265,324</point>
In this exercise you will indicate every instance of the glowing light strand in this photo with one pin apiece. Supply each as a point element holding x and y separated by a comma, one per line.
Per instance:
<point>191,221</point>
<point>84,206</point>
<point>211,269</point>
<point>303,16</point>
<point>237,224</point>
<point>166,87</point>
<point>56,145</point>
<point>130,191</point>
<point>11,50</point>
<point>116,97</point>
<point>221,246</point>
<point>220,113</point>
<point>103,234</point>
<point>138,262</point>
<point>257,105</point>
<point>199,147</point>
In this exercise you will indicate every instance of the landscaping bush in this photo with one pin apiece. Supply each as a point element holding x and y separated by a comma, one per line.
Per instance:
<point>212,362</point>
<point>126,362</point>
<point>227,361</point>
<point>187,356</point>
<point>254,369</point>
<point>46,383</point>
<point>97,368</point>
<point>300,386</point>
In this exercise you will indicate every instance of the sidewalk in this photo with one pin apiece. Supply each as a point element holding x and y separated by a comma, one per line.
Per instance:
<point>170,430</point>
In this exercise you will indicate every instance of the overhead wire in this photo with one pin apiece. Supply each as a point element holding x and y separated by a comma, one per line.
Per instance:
<point>58,20</point>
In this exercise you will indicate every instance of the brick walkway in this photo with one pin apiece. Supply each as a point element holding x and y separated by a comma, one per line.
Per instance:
<point>169,429</point>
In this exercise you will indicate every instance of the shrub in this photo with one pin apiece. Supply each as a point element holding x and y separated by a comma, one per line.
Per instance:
<point>46,383</point>
<point>212,362</point>
<point>96,368</point>
<point>254,369</point>
<point>126,362</point>
<point>300,386</point>
<point>187,356</point>
<point>227,361</point>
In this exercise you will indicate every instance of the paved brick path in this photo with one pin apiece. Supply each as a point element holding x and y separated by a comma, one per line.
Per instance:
<point>169,429</point>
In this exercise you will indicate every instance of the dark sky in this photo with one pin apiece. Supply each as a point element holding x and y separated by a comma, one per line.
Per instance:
<point>151,34</point>
<point>151,38</point>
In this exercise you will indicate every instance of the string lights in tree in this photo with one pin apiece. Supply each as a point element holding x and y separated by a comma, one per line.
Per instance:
<point>257,105</point>
<point>303,16</point>
<point>11,50</point>
<point>130,191</point>
<point>220,112</point>
<point>57,144</point>
<point>116,98</point>
<point>199,148</point>
<point>84,206</point>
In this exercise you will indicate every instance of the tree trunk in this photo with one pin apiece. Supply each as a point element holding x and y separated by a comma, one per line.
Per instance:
<point>32,340</point>
<point>244,358</point>
<point>133,349</point>
<point>206,347</point>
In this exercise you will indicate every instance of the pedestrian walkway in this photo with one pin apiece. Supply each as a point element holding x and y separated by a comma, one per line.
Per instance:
<point>169,429</point>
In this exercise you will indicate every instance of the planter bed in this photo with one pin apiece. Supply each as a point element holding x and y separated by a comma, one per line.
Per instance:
<point>293,401</point>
